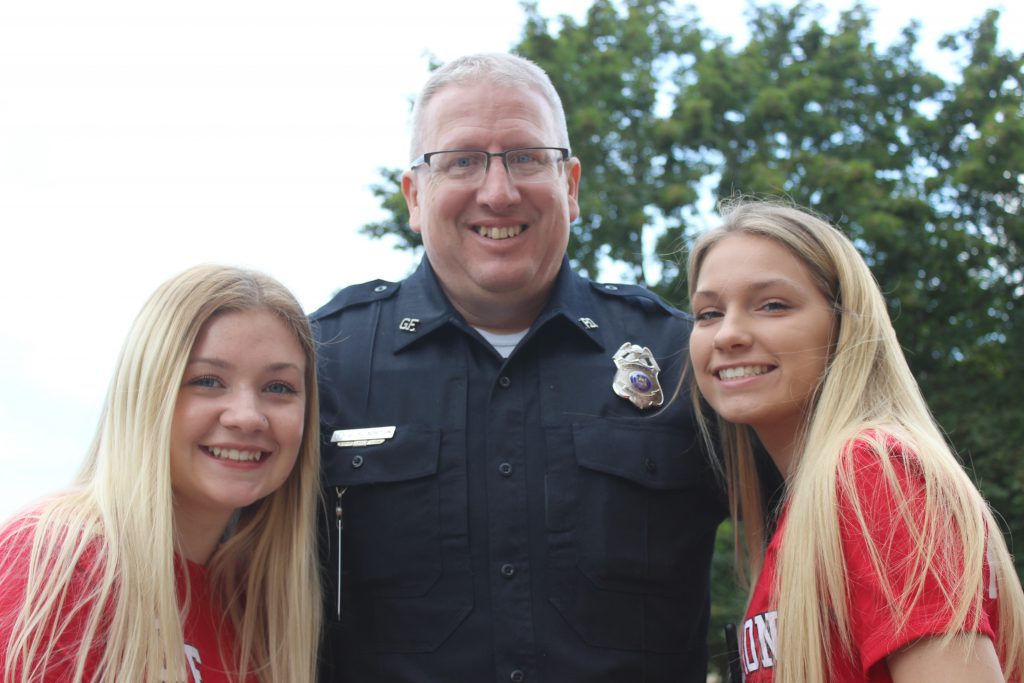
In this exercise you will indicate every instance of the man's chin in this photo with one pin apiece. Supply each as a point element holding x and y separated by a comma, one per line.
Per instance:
<point>513,284</point>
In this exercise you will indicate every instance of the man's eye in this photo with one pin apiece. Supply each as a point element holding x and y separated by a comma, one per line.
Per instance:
<point>462,162</point>
<point>523,157</point>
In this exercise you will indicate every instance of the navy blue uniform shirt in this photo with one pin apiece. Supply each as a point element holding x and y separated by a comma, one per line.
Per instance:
<point>523,523</point>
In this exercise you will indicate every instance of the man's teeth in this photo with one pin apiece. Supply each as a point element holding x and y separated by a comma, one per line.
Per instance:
<point>743,371</point>
<point>232,454</point>
<point>499,233</point>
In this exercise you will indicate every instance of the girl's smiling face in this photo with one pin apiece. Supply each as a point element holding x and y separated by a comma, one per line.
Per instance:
<point>239,418</point>
<point>762,337</point>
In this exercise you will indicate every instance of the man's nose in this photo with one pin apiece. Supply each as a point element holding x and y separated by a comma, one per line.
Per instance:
<point>497,189</point>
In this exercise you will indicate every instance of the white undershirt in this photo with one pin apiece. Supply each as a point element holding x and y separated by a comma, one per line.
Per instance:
<point>502,343</point>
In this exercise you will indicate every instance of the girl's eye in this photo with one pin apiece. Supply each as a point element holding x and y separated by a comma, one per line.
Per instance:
<point>206,381</point>
<point>280,388</point>
<point>776,306</point>
<point>708,315</point>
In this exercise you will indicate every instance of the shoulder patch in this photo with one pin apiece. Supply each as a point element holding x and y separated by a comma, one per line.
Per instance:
<point>637,295</point>
<point>355,295</point>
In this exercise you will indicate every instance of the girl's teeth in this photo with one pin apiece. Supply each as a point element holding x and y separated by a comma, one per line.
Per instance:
<point>743,371</point>
<point>232,454</point>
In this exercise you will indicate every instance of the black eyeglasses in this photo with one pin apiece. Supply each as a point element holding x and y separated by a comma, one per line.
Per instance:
<point>470,166</point>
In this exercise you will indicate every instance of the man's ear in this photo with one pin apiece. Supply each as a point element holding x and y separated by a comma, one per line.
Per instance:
<point>411,192</point>
<point>572,172</point>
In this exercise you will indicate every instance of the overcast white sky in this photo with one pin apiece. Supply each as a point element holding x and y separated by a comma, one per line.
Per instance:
<point>138,138</point>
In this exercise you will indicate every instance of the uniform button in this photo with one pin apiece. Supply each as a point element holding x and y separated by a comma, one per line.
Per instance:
<point>517,676</point>
<point>380,288</point>
<point>504,382</point>
<point>357,462</point>
<point>508,571</point>
<point>505,469</point>
<point>611,288</point>
<point>651,465</point>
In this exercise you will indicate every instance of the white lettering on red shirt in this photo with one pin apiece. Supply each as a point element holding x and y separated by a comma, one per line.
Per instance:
<point>194,659</point>
<point>758,646</point>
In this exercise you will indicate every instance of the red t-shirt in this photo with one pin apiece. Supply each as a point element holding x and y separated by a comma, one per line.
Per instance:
<point>206,636</point>
<point>872,625</point>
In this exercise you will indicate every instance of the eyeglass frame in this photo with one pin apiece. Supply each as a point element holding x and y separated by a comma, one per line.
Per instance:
<point>424,159</point>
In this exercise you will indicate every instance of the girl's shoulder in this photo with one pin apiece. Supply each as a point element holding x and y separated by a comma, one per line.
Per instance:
<point>48,577</point>
<point>880,483</point>
<point>17,537</point>
<point>877,441</point>
<point>874,454</point>
<point>38,542</point>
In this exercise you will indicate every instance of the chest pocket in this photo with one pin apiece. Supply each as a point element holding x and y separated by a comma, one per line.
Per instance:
<point>635,504</point>
<point>403,546</point>
<point>391,541</point>
<point>637,489</point>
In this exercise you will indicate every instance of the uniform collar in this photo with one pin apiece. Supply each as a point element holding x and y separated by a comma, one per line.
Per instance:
<point>572,300</point>
<point>422,307</point>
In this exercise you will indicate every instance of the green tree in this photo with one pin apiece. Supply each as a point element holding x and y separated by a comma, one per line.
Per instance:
<point>389,192</point>
<point>976,141</point>
<point>924,175</point>
<point>610,71</point>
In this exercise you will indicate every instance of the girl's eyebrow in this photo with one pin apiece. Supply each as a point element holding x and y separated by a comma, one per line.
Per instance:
<point>215,362</point>
<point>753,286</point>
<point>221,363</point>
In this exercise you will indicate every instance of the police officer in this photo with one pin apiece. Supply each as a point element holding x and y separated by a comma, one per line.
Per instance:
<point>513,497</point>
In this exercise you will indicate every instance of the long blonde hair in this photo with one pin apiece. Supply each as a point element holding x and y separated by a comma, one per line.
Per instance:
<point>120,512</point>
<point>867,393</point>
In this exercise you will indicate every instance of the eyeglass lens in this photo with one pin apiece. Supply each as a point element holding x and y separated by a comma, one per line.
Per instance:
<point>523,165</point>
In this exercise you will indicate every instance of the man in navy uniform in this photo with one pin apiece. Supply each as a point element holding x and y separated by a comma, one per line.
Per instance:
<point>512,494</point>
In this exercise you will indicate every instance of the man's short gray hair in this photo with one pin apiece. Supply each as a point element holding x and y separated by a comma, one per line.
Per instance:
<point>498,68</point>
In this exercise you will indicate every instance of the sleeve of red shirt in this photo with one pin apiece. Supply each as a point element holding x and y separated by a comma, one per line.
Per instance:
<point>15,546</point>
<point>873,622</point>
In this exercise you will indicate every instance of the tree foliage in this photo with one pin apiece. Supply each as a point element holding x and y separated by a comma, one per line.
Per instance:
<point>925,174</point>
<point>610,73</point>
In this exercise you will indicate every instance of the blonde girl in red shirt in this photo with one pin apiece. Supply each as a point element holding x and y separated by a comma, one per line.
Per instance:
<point>185,551</point>
<point>886,563</point>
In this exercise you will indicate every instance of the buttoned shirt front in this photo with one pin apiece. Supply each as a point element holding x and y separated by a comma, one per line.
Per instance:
<point>522,522</point>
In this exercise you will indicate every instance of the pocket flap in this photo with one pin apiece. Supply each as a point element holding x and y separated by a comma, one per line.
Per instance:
<point>654,457</point>
<point>412,453</point>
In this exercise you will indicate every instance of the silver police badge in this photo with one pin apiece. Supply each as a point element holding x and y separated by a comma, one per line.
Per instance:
<point>637,376</point>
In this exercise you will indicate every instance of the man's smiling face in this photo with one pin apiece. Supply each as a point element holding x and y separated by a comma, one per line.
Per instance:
<point>497,241</point>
